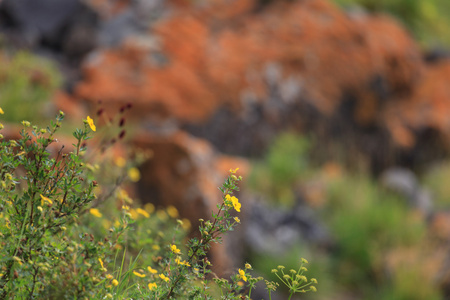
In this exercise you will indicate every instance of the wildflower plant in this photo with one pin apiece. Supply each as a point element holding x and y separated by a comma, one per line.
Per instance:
<point>58,242</point>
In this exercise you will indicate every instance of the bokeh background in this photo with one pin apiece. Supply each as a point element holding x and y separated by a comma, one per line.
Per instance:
<point>336,112</point>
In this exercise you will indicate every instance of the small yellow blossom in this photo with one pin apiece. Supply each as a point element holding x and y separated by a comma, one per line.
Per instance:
<point>125,207</point>
<point>234,171</point>
<point>172,211</point>
<point>242,275</point>
<point>142,212</point>
<point>109,276</point>
<point>115,282</point>
<point>163,277</point>
<point>161,214</point>
<point>149,207</point>
<point>237,220</point>
<point>313,288</point>
<point>186,224</point>
<point>152,286</point>
<point>91,123</point>
<point>240,283</point>
<point>233,201</point>
<point>134,174</point>
<point>95,212</point>
<point>182,262</point>
<point>39,208</point>
<point>1,111</point>
<point>248,266</point>
<point>138,274</point>
<point>120,161</point>
<point>101,262</point>
<point>151,270</point>
<point>43,198</point>
<point>175,249</point>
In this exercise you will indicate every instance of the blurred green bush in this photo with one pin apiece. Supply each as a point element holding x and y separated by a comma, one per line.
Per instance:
<point>372,228</point>
<point>27,83</point>
<point>426,19</point>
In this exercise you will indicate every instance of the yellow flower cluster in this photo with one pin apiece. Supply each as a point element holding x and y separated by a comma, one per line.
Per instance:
<point>233,201</point>
<point>175,249</point>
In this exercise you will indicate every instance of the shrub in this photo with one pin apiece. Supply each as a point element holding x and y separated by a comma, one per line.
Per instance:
<point>59,241</point>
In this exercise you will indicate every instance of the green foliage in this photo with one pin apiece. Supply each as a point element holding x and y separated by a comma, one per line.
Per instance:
<point>367,222</point>
<point>426,19</point>
<point>285,163</point>
<point>26,84</point>
<point>59,239</point>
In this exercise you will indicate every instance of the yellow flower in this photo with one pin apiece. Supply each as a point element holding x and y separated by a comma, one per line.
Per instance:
<point>95,212</point>
<point>152,286</point>
<point>186,224</point>
<point>1,111</point>
<point>134,174</point>
<point>138,274</point>
<point>234,202</point>
<point>172,211</point>
<point>120,161</point>
<point>234,171</point>
<point>142,212</point>
<point>91,123</point>
<point>43,198</point>
<point>109,276</point>
<point>151,270</point>
<point>182,262</point>
<point>237,220</point>
<point>149,207</point>
<point>163,277</point>
<point>175,249</point>
<point>101,262</point>
<point>242,275</point>
<point>115,282</point>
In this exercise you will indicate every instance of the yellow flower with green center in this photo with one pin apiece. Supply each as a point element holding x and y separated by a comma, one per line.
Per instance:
<point>138,274</point>
<point>163,277</point>
<point>242,275</point>
<point>95,212</point>
<point>91,123</point>
<point>152,286</point>
<point>175,249</point>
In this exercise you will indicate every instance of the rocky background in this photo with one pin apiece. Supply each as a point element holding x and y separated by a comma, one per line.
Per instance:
<point>210,85</point>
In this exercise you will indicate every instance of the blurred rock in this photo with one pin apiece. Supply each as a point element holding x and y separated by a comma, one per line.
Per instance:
<point>275,230</point>
<point>238,76</point>
<point>405,183</point>
<point>59,28</point>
